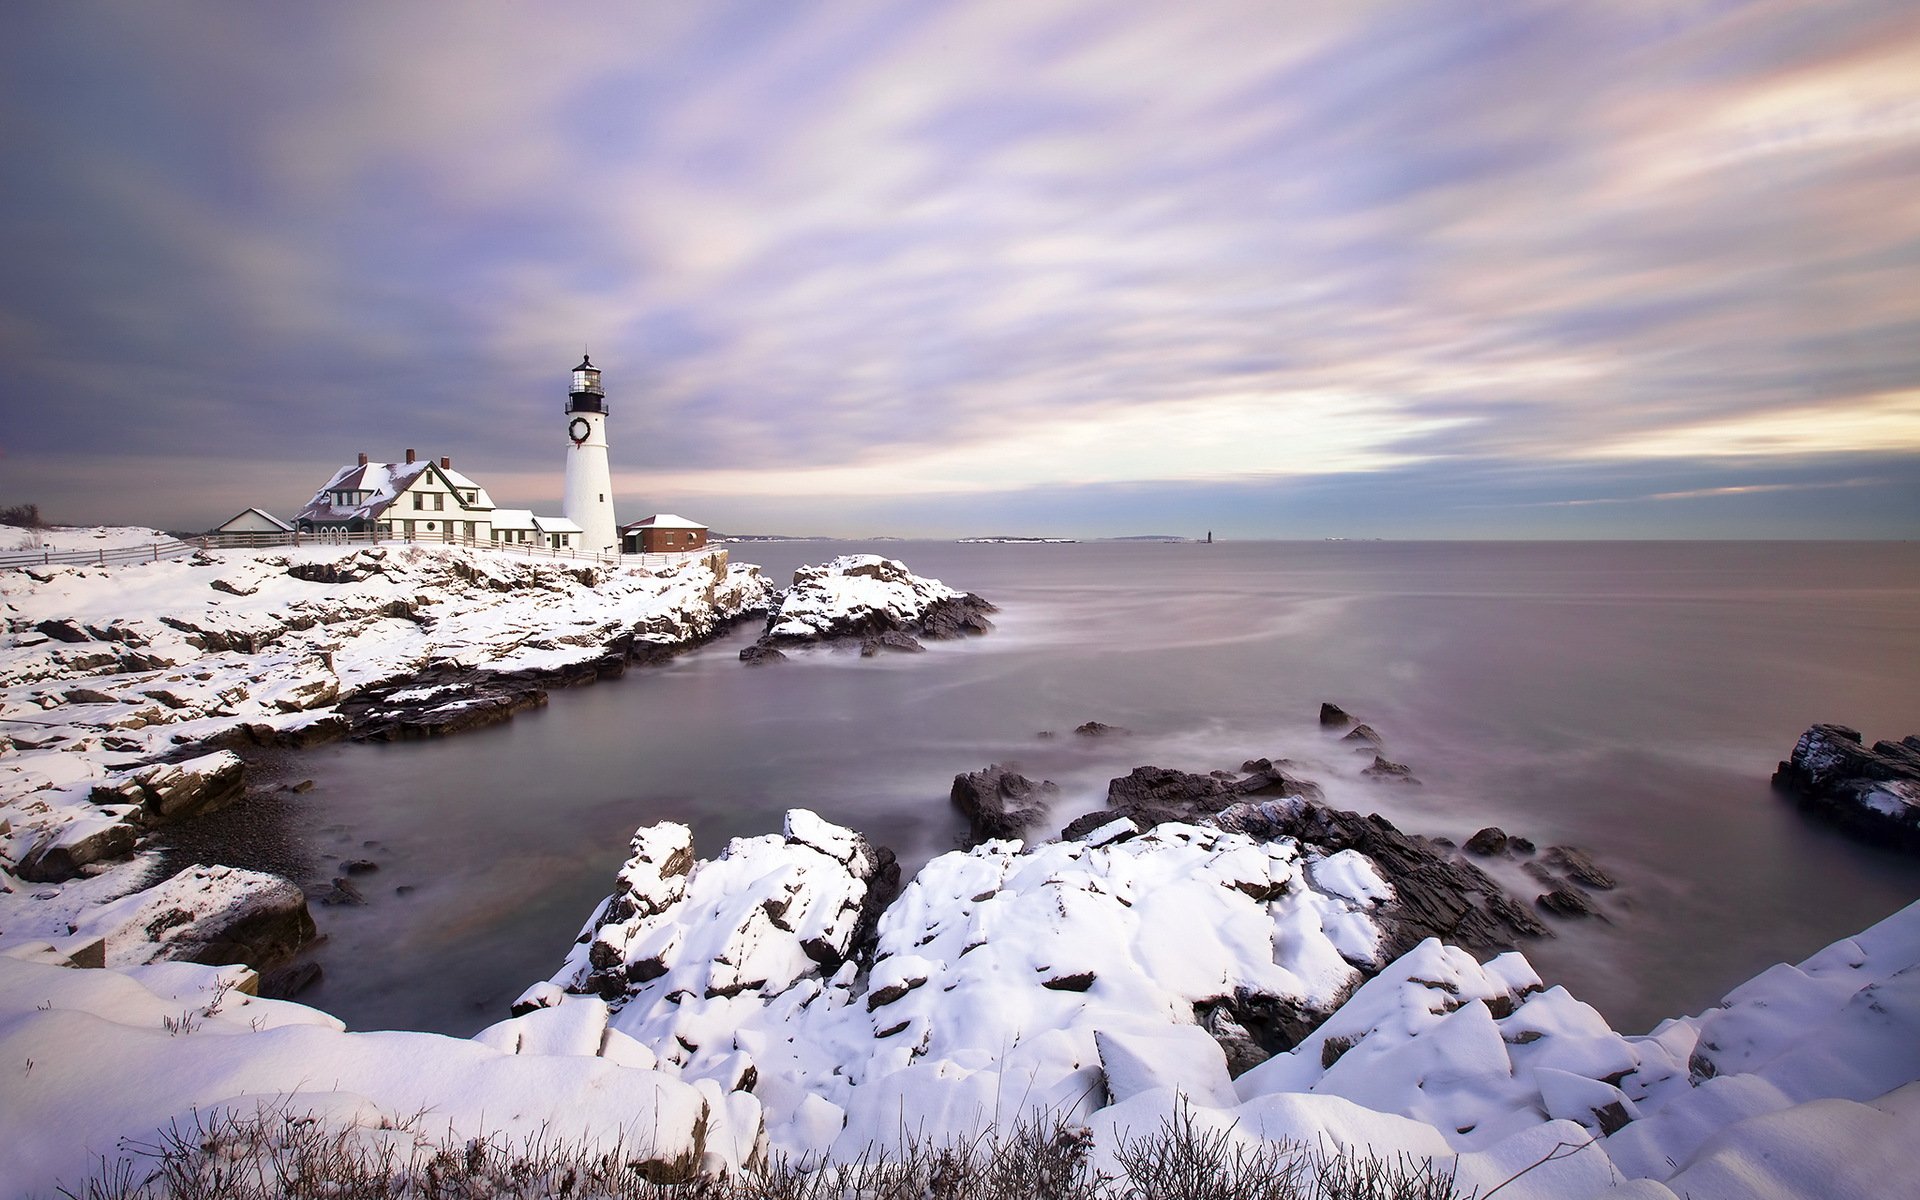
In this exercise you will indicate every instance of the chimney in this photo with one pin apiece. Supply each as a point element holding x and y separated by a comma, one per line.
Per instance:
<point>363,458</point>
<point>446,462</point>
<point>409,454</point>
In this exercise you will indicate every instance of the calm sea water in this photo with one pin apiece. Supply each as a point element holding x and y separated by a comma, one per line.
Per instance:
<point>1630,698</point>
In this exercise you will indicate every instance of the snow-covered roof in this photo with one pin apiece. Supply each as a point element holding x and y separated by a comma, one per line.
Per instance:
<point>384,483</point>
<point>663,521</point>
<point>262,513</point>
<point>480,500</point>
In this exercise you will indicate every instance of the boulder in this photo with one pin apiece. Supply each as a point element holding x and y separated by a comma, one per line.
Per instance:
<point>207,915</point>
<point>1334,717</point>
<point>1568,900</point>
<point>1579,865</point>
<point>1000,803</point>
<point>176,791</point>
<point>64,631</point>
<point>1489,841</point>
<point>62,854</point>
<point>1385,770</point>
<point>1872,791</point>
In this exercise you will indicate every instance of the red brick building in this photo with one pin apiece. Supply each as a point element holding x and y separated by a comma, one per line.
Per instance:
<point>662,533</point>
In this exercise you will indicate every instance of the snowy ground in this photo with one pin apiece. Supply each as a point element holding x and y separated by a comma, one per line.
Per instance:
<point>710,1011</point>
<point>67,538</point>
<point>1802,1084</point>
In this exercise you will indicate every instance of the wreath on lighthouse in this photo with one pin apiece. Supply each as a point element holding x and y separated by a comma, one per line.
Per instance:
<point>579,430</point>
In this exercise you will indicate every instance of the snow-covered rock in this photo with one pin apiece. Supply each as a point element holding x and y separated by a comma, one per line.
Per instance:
<point>872,600</point>
<point>990,975</point>
<point>98,1059</point>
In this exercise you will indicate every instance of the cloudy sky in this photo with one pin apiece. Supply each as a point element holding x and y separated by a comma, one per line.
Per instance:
<point>1615,268</point>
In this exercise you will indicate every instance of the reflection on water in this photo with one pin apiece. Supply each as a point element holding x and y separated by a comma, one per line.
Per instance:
<point>1630,698</point>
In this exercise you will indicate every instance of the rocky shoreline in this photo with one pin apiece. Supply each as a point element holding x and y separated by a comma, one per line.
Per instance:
<point>1226,944</point>
<point>256,656</point>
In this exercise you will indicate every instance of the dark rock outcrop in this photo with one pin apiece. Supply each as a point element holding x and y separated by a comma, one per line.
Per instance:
<point>1874,790</point>
<point>1435,896</point>
<point>956,618</point>
<point>284,983</point>
<point>1000,803</point>
<point>1487,842</point>
<point>1385,770</point>
<point>1568,900</point>
<point>892,640</point>
<point>1252,1027</point>
<point>1578,865</point>
<point>1151,795</point>
<point>439,703</point>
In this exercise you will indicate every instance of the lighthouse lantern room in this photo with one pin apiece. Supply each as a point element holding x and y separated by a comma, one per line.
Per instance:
<point>588,499</point>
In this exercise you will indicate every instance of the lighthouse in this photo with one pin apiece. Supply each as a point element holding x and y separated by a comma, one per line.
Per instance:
<point>588,500</point>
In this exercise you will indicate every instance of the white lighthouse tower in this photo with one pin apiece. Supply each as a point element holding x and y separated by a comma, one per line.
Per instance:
<point>588,501</point>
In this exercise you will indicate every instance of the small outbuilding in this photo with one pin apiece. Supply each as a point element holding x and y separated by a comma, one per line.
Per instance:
<point>662,533</point>
<point>255,521</point>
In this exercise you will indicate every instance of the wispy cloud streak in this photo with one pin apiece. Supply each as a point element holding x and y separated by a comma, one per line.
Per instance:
<point>859,250</point>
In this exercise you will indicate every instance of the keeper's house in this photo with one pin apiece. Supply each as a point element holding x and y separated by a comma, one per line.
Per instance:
<point>413,499</point>
<point>424,500</point>
<point>662,533</point>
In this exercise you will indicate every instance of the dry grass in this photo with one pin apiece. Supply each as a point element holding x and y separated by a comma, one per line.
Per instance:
<point>280,1154</point>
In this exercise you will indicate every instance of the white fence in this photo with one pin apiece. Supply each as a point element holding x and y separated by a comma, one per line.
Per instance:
<point>178,548</point>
